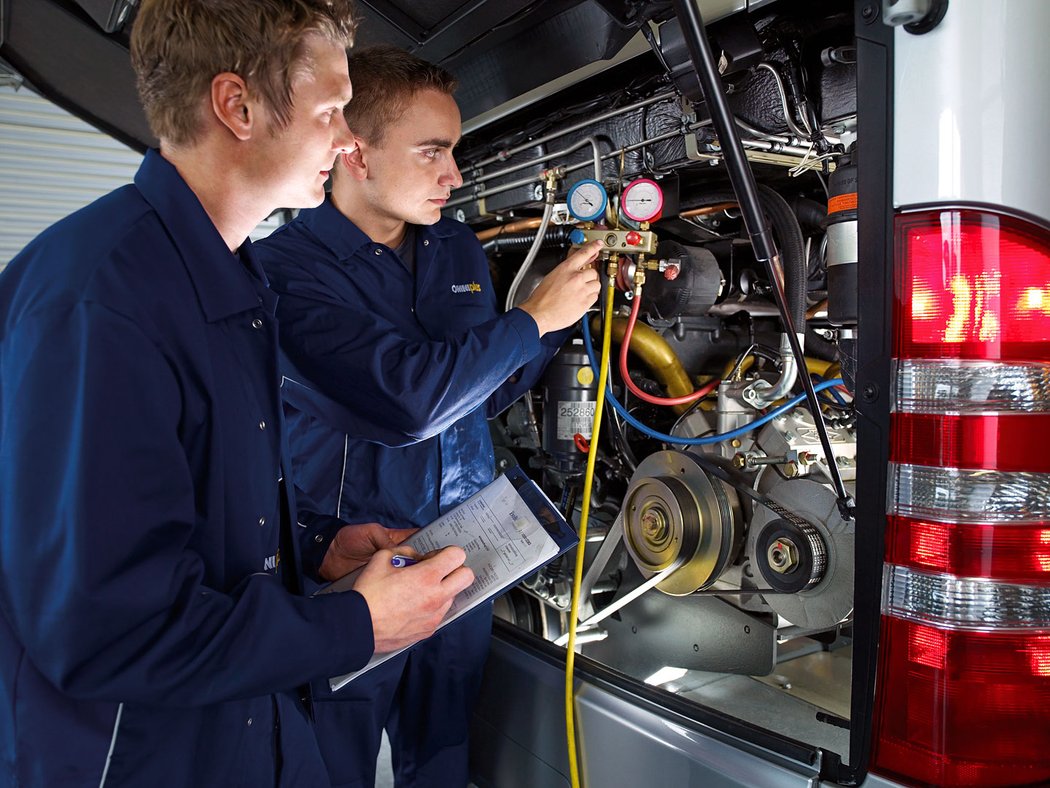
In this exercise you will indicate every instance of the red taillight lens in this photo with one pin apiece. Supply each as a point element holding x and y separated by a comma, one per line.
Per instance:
<point>963,692</point>
<point>977,286</point>
<point>962,708</point>
<point>1007,443</point>
<point>1014,553</point>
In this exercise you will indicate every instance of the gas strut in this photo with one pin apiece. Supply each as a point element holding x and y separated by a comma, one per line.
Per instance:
<point>743,182</point>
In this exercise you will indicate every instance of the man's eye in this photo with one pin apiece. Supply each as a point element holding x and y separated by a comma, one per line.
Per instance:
<point>430,154</point>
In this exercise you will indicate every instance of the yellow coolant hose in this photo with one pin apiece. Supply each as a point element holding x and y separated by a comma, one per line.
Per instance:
<point>577,577</point>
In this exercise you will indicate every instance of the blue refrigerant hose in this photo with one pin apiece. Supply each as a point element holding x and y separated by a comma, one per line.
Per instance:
<point>789,405</point>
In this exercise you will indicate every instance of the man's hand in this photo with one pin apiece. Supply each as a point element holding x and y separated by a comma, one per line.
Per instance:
<point>567,292</point>
<point>354,545</point>
<point>408,603</point>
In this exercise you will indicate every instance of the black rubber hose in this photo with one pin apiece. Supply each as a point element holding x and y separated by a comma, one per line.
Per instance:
<point>818,347</point>
<point>792,253</point>
<point>811,214</point>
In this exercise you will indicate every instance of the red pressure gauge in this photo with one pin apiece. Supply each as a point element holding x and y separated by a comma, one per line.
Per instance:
<point>642,200</point>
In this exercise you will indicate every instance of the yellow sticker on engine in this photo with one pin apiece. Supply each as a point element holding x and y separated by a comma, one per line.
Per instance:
<point>585,376</point>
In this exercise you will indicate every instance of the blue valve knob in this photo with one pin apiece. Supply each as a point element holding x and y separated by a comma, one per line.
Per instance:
<point>577,238</point>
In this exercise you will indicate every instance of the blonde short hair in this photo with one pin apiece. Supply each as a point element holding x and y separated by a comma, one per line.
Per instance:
<point>179,46</point>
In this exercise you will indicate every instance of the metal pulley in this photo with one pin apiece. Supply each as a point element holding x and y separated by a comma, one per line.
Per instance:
<point>674,512</point>
<point>791,556</point>
<point>802,548</point>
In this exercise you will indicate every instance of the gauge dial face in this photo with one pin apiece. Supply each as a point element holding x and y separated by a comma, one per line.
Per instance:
<point>642,200</point>
<point>587,200</point>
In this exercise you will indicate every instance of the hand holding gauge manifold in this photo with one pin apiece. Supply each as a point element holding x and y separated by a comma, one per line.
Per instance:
<point>569,290</point>
<point>566,293</point>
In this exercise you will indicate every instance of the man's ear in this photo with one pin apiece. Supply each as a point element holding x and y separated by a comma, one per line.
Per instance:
<point>230,103</point>
<point>355,163</point>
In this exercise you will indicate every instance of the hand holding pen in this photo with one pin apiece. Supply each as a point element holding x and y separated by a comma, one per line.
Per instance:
<point>408,594</point>
<point>404,559</point>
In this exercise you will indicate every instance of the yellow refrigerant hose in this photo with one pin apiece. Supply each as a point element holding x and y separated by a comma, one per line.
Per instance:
<point>577,578</point>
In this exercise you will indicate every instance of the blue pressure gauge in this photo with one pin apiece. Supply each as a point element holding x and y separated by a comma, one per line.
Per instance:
<point>587,200</point>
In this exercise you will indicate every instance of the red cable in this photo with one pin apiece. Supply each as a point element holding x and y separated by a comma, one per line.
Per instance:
<point>701,392</point>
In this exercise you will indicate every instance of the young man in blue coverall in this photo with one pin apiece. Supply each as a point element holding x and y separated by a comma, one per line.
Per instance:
<point>399,352</point>
<point>151,629</point>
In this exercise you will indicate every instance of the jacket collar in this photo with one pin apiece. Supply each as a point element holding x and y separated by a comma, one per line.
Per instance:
<point>345,239</point>
<point>218,275</point>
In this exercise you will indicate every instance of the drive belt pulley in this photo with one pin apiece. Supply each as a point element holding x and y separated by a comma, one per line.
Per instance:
<point>789,552</point>
<point>675,515</point>
<point>791,557</point>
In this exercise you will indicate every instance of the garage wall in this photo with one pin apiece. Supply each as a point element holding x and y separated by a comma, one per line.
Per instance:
<point>51,164</point>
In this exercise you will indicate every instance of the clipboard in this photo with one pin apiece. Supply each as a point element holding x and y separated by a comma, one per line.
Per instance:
<point>508,529</point>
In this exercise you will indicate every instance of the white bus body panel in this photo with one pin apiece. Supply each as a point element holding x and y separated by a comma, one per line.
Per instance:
<point>972,107</point>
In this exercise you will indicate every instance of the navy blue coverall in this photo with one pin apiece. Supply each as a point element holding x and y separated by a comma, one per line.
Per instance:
<point>147,636</point>
<point>393,375</point>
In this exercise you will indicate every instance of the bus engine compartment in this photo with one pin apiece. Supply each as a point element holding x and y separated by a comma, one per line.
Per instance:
<point>719,558</point>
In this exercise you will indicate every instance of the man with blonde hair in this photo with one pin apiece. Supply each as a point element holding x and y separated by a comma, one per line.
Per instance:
<point>152,630</point>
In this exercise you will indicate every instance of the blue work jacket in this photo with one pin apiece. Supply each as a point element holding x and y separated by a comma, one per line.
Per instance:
<point>393,373</point>
<point>147,636</point>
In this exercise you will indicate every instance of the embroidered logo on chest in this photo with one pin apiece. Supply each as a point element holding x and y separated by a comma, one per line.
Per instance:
<point>470,287</point>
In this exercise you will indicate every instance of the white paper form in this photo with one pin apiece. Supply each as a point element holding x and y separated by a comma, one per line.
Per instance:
<point>504,542</point>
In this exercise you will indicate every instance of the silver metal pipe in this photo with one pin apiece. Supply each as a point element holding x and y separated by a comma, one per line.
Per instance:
<point>774,147</point>
<point>537,242</point>
<point>834,139</point>
<point>762,145</point>
<point>761,394</point>
<point>503,187</point>
<point>592,141</point>
<point>762,135</point>
<point>506,154</point>
<point>788,116</point>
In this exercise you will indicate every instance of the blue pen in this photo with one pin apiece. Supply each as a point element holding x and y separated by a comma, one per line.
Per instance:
<point>402,560</point>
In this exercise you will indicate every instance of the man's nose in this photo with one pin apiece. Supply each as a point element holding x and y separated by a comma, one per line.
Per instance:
<point>452,178</point>
<point>344,140</point>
